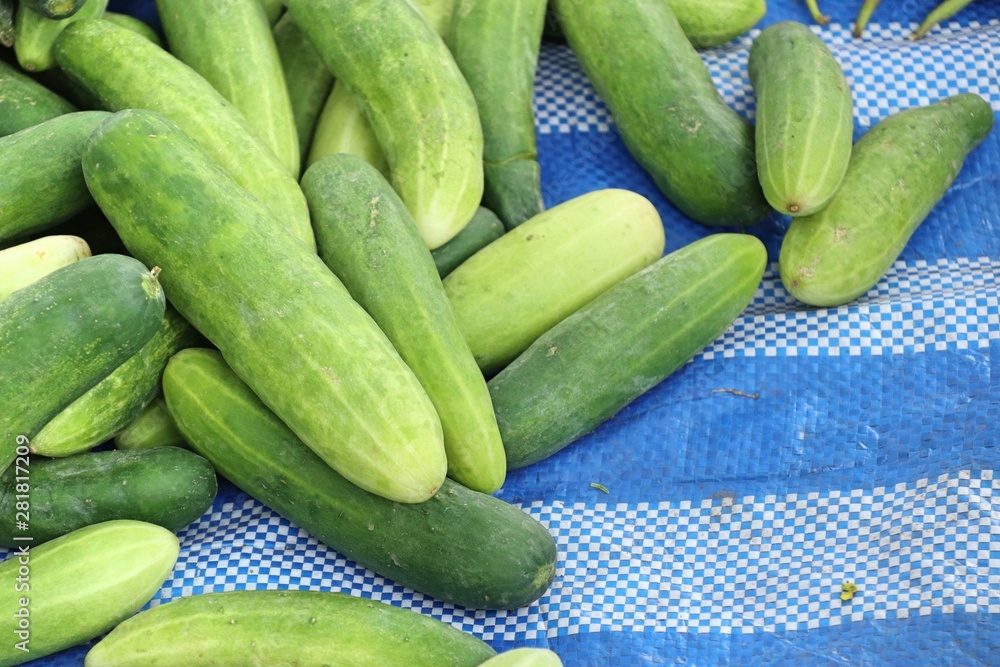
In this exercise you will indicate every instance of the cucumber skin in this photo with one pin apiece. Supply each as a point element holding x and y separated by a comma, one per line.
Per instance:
<point>25,103</point>
<point>342,128</point>
<point>154,427</point>
<point>83,584</point>
<point>585,369</point>
<point>271,627</point>
<point>484,228</point>
<point>525,657</point>
<point>352,398</point>
<point>108,305</point>
<point>899,171</point>
<point>698,150</point>
<point>41,183</point>
<point>709,23</point>
<point>169,487</point>
<point>55,9</point>
<point>35,35</point>
<point>460,546</point>
<point>127,71</point>
<point>8,8</point>
<point>369,240</point>
<point>137,26</point>
<point>439,13</point>
<point>308,80</point>
<point>805,119</point>
<point>273,10</point>
<point>26,263</point>
<point>419,105</point>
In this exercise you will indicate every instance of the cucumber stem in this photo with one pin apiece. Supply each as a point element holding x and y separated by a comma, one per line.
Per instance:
<point>864,16</point>
<point>945,10</point>
<point>817,15</point>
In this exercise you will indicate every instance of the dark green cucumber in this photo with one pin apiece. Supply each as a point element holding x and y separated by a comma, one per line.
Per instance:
<point>805,119</point>
<point>268,627</point>
<point>154,427</point>
<point>117,400</point>
<point>496,46</point>
<point>281,318</point>
<point>137,26</point>
<point>484,229</point>
<point>585,369</point>
<point>8,8</point>
<point>25,103</point>
<point>306,75</point>
<point>35,35</point>
<point>899,171</point>
<point>460,546</point>
<point>167,486</point>
<point>668,110</point>
<point>709,23</point>
<point>368,238</point>
<point>59,336</point>
<point>41,183</point>
<point>55,9</point>
<point>126,71</point>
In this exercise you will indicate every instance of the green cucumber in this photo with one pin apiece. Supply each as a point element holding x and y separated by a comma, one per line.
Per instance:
<point>668,110</point>
<point>291,331</point>
<point>805,119</point>
<point>137,26</point>
<point>585,369</point>
<point>496,46</point>
<point>79,586</point>
<point>35,35</point>
<point>25,103</point>
<point>229,42</point>
<point>62,334</point>
<point>169,487</point>
<point>484,229</point>
<point>154,427</point>
<point>127,71</point>
<point>416,100</point>
<point>709,23</point>
<point>269,627</point>
<point>437,12</point>
<point>899,171</point>
<point>26,263</point>
<point>8,8</point>
<point>368,238</point>
<point>111,405</point>
<point>460,546</point>
<point>525,657</point>
<point>273,9</point>
<point>55,9</point>
<point>342,128</point>
<point>525,282</point>
<point>308,80</point>
<point>41,183</point>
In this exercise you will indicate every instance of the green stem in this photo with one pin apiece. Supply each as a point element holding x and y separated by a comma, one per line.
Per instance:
<point>817,15</point>
<point>945,10</point>
<point>864,16</point>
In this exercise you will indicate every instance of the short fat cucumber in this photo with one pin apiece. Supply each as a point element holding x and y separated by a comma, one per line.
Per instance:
<point>668,110</point>
<point>154,427</point>
<point>268,627</point>
<point>35,35</point>
<point>283,321</point>
<point>25,103</point>
<point>306,76</point>
<point>898,172</point>
<point>342,128</point>
<point>23,264</point>
<point>805,120</point>
<point>585,369</point>
<point>484,228</point>
<point>460,546</point>
<point>709,23</point>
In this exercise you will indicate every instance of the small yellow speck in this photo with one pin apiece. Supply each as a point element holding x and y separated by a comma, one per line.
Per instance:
<point>847,591</point>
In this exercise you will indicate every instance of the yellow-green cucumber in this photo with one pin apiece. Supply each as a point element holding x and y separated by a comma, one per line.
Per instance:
<point>23,264</point>
<point>342,128</point>
<point>306,76</point>
<point>805,119</point>
<point>154,427</point>
<point>229,42</point>
<point>283,321</point>
<point>437,12</point>
<point>126,71</point>
<point>35,34</point>
<point>899,171</point>
<point>709,23</point>
<point>369,240</point>
<point>531,278</point>
<point>496,46</point>
<point>137,26</point>
<point>55,9</point>
<point>484,228</point>
<point>416,99</point>
<point>79,586</point>
<point>525,657</point>
<point>270,627</point>
<point>25,102</point>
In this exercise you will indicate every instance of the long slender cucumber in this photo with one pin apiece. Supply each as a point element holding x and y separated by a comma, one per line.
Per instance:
<point>306,76</point>
<point>23,264</point>
<point>35,34</point>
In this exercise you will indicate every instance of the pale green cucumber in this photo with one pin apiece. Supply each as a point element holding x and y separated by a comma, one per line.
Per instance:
<point>484,228</point>
<point>525,657</point>
<point>23,264</point>
<point>709,23</point>
<point>35,35</point>
<point>137,26</point>
<point>154,427</point>
<point>342,128</point>
<point>306,76</point>
<point>437,12</point>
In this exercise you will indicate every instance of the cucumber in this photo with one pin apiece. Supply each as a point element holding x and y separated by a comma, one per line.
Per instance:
<point>342,128</point>
<point>169,487</point>
<point>805,118</point>
<point>698,150</point>
<point>437,12</point>
<point>111,405</point>
<point>496,46</point>
<point>291,331</point>
<point>41,183</point>
<point>127,71</point>
<point>154,427</point>
<point>8,8</point>
<point>525,657</point>
<point>24,264</point>
<point>229,42</point>
<point>306,76</point>
<point>273,9</point>
<point>55,9</point>
<point>709,23</point>
<point>461,546</point>
<point>899,171</point>
<point>585,369</point>
<point>80,586</point>
<point>62,334</point>
<point>137,26</point>
<point>368,238</point>
<point>525,282</point>
<point>484,229</point>
<point>269,627</point>
<point>25,103</point>
<point>416,100</point>
<point>35,35</point>
<point>945,10</point>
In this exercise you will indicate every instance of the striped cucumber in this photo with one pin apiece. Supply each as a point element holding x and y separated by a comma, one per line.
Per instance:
<point>416,100</point>
<point>484,229</point>
<point>460,546</point>
<point>698,150</point>
<point>55,9</point>
<point>496,46</point>
<point>137,26</point>
<point>306,76</point>
<point>35,35</point>
<point>126,71</point>
<point>342,128</point>
<point>291,331</point>
<point>899,171</point>
<point>585,369</point>
<point>525,657</point>
<point>805,120</point>
<point>368,238</point>
<point>709,23</point>
<point>154,427</point>
<point>25,103</point>
<point>26,263</point>
<point>525,282</point>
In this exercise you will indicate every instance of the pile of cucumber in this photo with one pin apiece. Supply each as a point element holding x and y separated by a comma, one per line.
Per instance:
<point>306,249</point>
